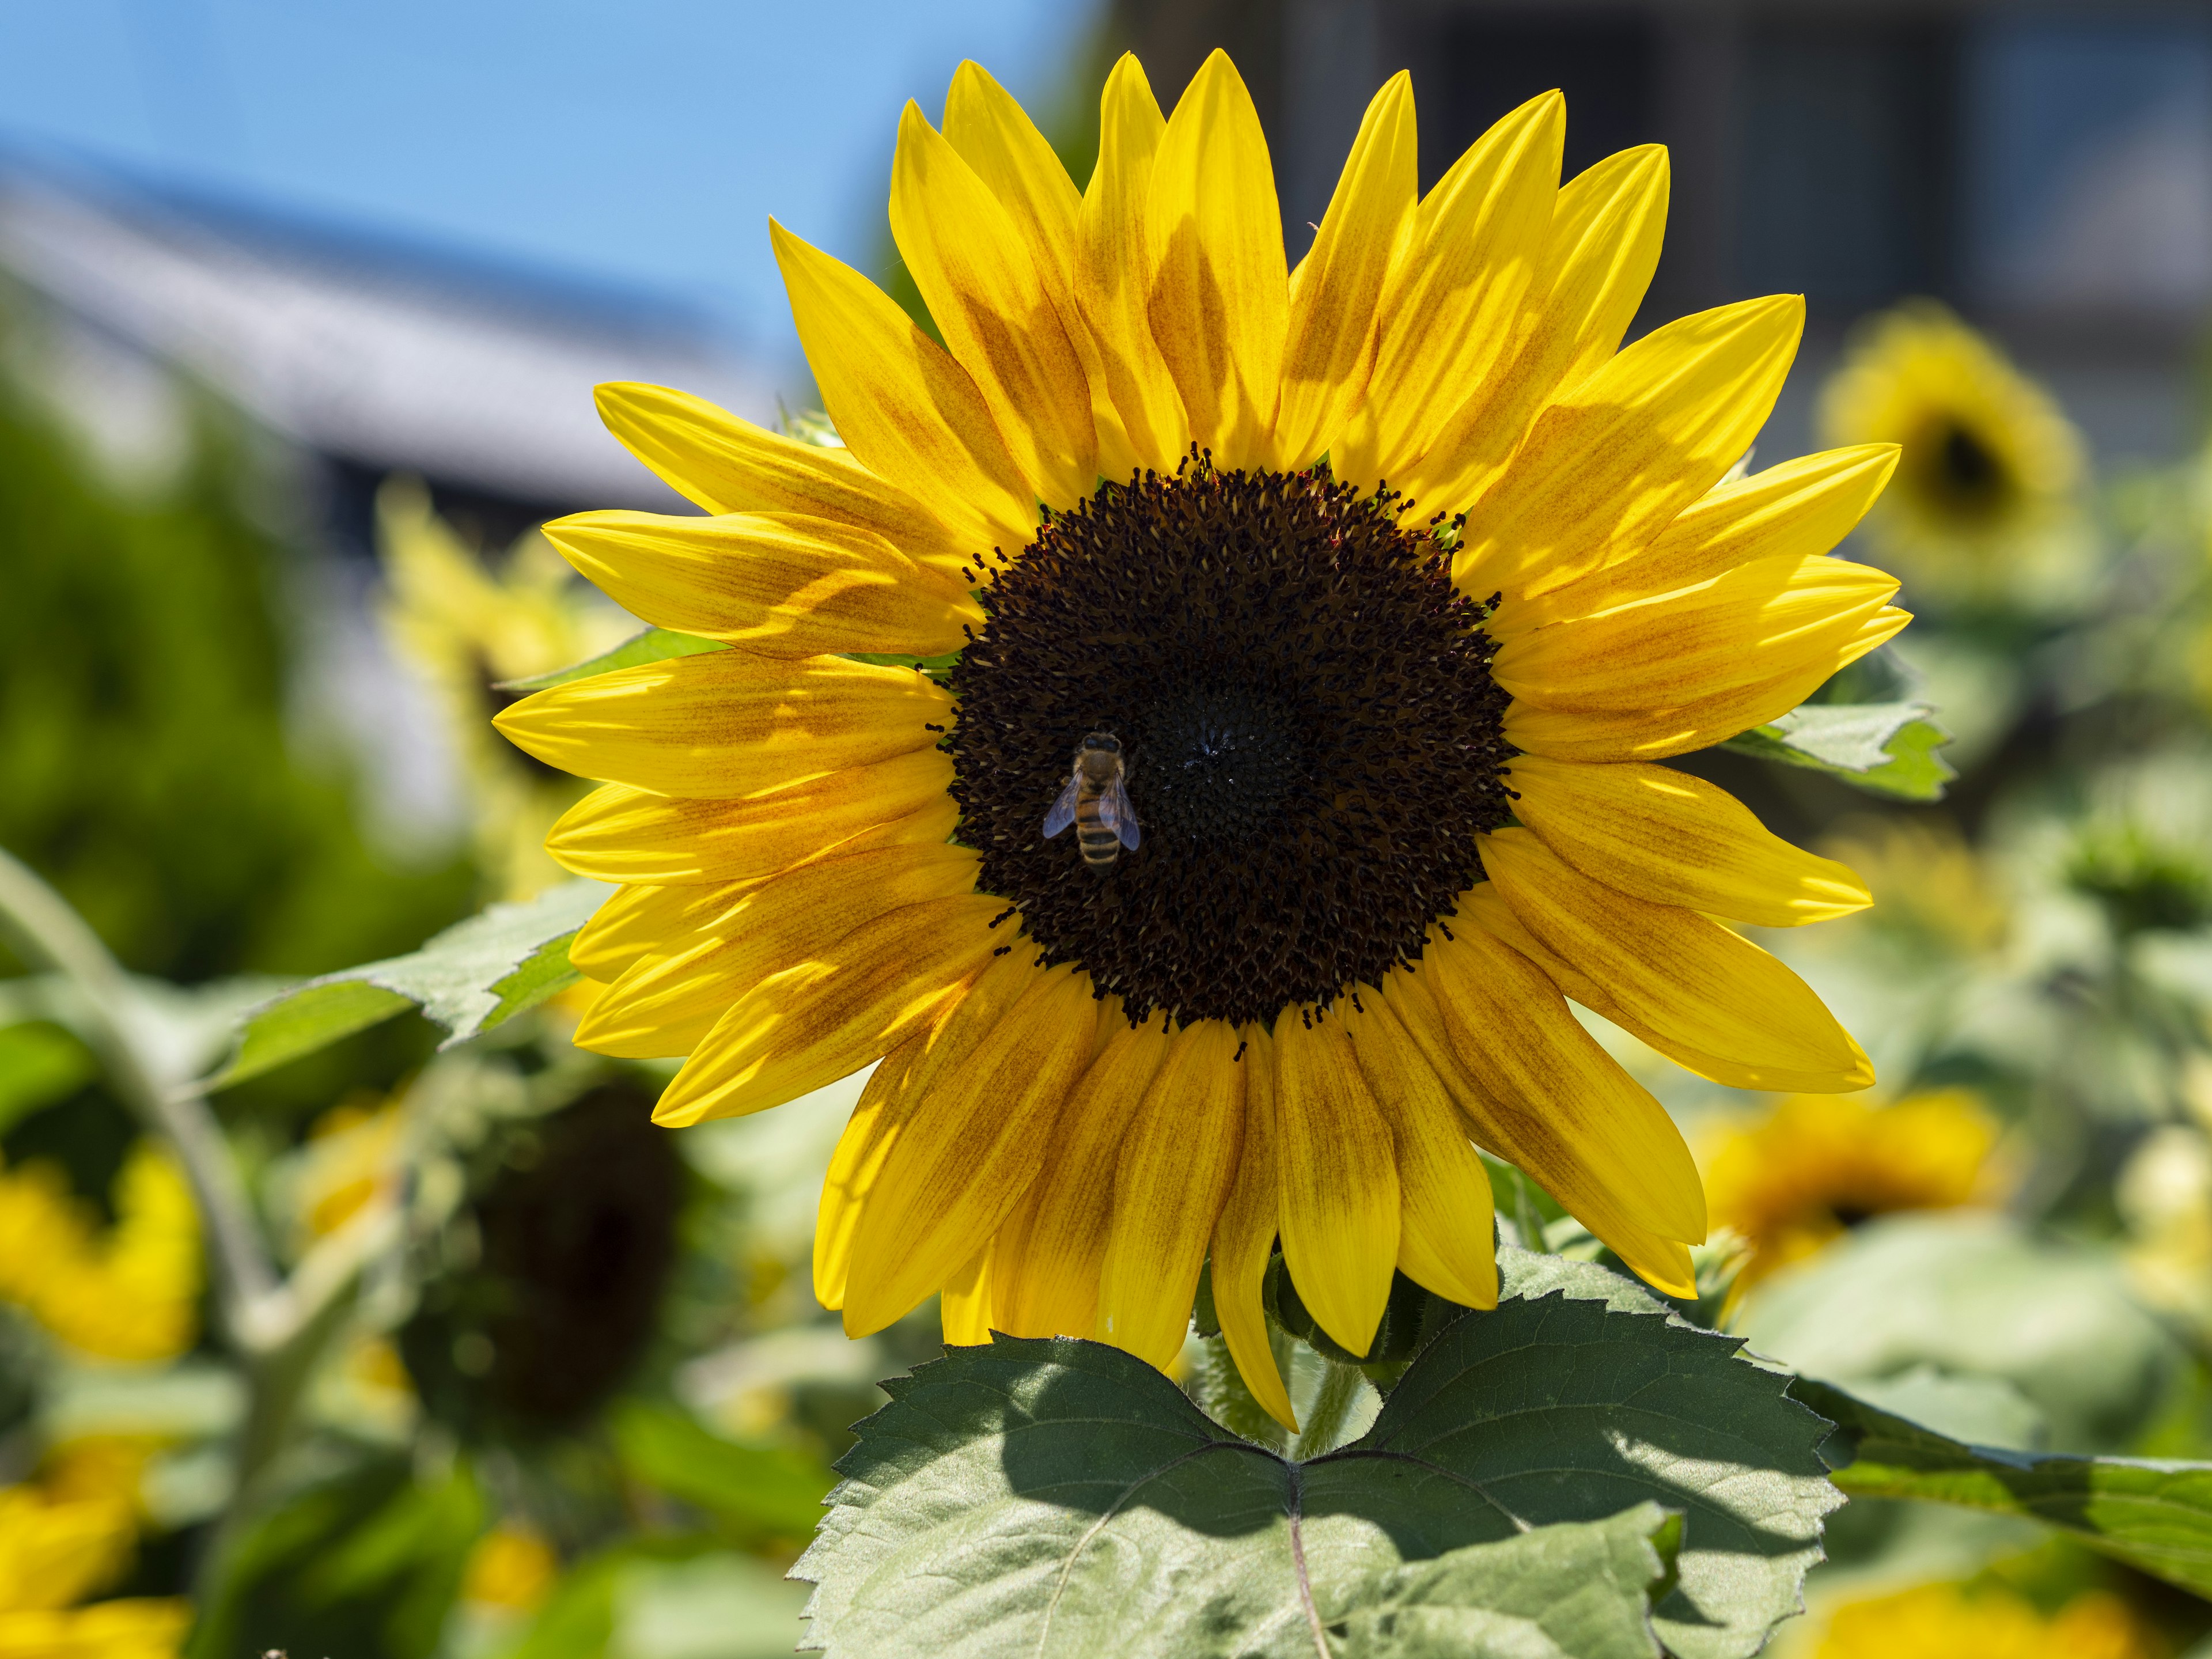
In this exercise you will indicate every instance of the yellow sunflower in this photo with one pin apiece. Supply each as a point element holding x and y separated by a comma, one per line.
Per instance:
<point>1389,756</point>
<point>1945,1621</point>
<point>1984,497</point>
<point>1815,1166</point>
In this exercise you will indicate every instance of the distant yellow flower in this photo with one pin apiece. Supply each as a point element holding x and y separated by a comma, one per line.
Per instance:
<point>53,1554</point>
<point>130,1293</point>
<point>1991,464</point>
<point>1929,884</point>
<point>349,1164</point>
<point>512,1568</point>
<point>104,1468</point>
<point>467,626</point>
<point>1952,1621</point>
<point>1815,1165</point>
<point>1393,754</point>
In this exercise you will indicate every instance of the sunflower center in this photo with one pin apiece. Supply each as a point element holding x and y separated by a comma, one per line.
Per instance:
<point>1965,474</point>
<point>1309,738</point>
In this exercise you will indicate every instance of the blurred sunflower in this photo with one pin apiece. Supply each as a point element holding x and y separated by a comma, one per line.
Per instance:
<point>468,628</point>
<point>1815,1166</point>
<point>1946,1622</point>
<point>1986,487</point>
<point>56,1551</point>
<point>130,1293</point>
<point>1340,723</point>
<point>1931,888</point>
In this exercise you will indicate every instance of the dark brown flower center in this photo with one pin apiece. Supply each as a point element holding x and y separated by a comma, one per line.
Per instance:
<point>1311,738</point>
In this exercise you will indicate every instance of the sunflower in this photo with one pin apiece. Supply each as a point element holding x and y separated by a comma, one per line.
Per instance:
<point>1939,1621</point>
<point>1391,580</point>
<point>466,626</point>
<point>1984,497</point>
<point>1815,1166</point>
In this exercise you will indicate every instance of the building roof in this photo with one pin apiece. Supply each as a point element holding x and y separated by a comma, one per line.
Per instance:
<point>373,351</point>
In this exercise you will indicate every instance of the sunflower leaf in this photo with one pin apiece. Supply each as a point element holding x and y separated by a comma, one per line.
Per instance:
<point>649,645</point>
<point>1516,1495</point>
<point>2156,1516</point>
<point>475,975</point>
<point>1886,748</point>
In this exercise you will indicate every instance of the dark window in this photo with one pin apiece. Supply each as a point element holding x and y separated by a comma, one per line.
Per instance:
<point>1845,153</point>
<point>1489,64</point>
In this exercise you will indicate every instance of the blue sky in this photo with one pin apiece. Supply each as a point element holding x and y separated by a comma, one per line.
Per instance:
<point>646,142</point>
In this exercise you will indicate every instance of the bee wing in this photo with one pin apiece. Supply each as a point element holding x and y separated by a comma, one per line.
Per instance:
<point>1063,810</point>
<point>1118,815</point>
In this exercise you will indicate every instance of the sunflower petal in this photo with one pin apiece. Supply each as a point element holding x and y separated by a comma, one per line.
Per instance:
<point>975,273</point>
<point>1113,282</point>
<point>1244,1236</point>
<point>1053,1289</point>
<point>854,1167</point>
<point>1654,734</point>
<point>1219,299</point>
<point>1445,1239</point>
<point>1455,296</point>
<point>1690,980</point>
<point>998,140</point>
<point>1172,1177</point>
<point>710,457</point>
<point>966,1304</point>
<point>886,1106</point>
<point>641,921</point>
<point>621,834</point>
<point>1609,466</point>
<point>1486,906</point>
<point>1331,344</point>
<point>1339,1180</point>
<point>824,1019</point>
<point>1598,258</point>
<point>727,723</point>
<point>1799,508</point>
<point>768,927</point>
<point>977,1140</point>
<point>780,584</point>
<point>1769,617</point>
<point>909,412</point>
<point>1662,835</point>
<point>1566,1112</point>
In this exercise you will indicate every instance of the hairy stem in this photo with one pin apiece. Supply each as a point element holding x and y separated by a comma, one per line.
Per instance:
<point>50,935</point>
<point>1330,1414</point>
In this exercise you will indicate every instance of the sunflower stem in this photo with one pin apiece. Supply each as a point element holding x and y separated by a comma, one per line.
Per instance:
<point>1219,1388</point>
<point>48,935</point>
<point>1328,1419</point>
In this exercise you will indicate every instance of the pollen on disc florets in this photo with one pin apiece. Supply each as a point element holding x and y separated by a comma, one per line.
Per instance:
<point>1312,736</point>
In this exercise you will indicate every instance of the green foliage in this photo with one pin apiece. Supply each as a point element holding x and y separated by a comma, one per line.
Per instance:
<point>757,1492</point>
<point>1884,748</point>
<point>676,1596</point>
<point>366,1563</point>
<point>145,766</point>
<point>1971,1294</point>
<point>1061,1496</point>
<point>649,645</point>
<point>473,977</point>
<point>2154,1515</point>
<point>40,1063</point>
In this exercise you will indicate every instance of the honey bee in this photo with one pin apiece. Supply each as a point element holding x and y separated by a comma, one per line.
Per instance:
<point>1097,802</point>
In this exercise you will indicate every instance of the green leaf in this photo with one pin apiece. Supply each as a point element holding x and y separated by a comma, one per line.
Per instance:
<point>766,1491</point>
<point>1573,1588</point>
<point>1059,1496</point>
<point>649,645</point>
<point>1974,1294</point>
<point>40,1063</point>
<point>2155,1515</point>
<point>475,975</point>
<point>1887,748</point>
